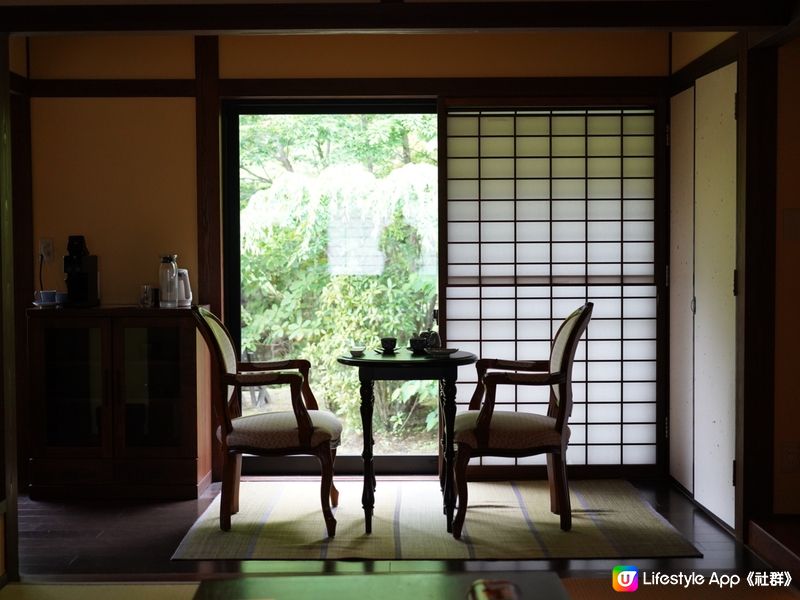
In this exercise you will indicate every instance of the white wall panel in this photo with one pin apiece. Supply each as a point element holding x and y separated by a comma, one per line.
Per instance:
<point>715,259</point>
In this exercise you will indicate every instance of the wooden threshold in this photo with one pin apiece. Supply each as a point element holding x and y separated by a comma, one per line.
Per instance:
<point>777,541</point>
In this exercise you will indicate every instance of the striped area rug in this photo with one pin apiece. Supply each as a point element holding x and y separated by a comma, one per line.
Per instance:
<point>505,520</point>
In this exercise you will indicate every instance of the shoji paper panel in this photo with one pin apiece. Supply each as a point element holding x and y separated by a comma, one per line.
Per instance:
<point>546,210</point>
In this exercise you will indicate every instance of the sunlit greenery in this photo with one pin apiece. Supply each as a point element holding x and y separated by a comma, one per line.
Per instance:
<point>304,177</point>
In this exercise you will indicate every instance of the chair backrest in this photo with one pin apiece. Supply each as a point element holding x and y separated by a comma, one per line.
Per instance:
<point>223,359</point>
<point>562,357</point>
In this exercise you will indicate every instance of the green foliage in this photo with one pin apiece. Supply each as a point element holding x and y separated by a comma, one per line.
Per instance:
<point>302,178</point>
<point>272,144</point>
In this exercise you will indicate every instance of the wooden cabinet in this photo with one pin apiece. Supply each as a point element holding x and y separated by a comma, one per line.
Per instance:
<point>120,403</point>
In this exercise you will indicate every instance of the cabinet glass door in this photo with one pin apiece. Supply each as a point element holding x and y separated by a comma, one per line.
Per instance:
<point>74,387</point>
<point>151,386</point>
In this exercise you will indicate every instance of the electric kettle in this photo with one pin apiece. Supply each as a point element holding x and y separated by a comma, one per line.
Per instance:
<point>184,288</point>
<point>168,280</point>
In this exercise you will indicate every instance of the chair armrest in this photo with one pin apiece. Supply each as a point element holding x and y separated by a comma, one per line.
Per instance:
<point>254,378</point>
<point>275,365</point>
<point>484,364</point>
<point>296,383</point>
<point>300,364</point>
<point>490,382</point>
<point>493,379</point>
<point>515,365</point>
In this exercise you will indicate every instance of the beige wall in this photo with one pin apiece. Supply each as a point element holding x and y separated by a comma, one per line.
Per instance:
<point>540,54</point>
<point>687,46</point>
<point>120,171</point>
<point>112,57</point>
<point>787,284</point>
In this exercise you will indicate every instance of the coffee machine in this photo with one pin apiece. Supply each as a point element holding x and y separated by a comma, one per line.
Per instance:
<point>80,273</point>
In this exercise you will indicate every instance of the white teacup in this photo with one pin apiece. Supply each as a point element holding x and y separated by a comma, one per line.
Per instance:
<point>45,296</point>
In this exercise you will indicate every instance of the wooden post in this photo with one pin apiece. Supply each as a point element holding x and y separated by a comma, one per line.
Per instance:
<point>10,570</point>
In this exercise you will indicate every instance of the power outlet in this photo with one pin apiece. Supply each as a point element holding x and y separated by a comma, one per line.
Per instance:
<point>46,249</point>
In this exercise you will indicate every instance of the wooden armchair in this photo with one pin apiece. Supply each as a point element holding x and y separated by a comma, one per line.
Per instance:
<point>483,431</point>
<point>304,430</point>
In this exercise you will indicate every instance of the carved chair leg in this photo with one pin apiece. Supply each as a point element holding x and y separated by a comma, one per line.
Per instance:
<point>562,491</point>
<point>323,453</point>
<point>334,491</point>
<point>228,484</point>
<point>552,484</point>
<point>460,473</point>
<point>237,474</point>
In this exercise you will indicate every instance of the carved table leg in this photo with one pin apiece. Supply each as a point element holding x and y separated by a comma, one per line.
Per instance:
<point>448,399</point>
<point>368,493</point>
<point>440,458</point>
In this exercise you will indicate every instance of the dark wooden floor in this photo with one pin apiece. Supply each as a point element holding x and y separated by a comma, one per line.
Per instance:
<point>112,541</point>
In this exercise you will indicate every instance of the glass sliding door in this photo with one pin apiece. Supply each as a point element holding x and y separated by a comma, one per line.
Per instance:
<point>338,245</point>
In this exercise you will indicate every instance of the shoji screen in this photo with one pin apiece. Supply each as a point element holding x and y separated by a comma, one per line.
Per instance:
<point>547,209</point>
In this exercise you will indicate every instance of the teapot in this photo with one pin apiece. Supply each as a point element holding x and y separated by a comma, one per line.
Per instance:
<point>432,339</point>
<point>184,288</point>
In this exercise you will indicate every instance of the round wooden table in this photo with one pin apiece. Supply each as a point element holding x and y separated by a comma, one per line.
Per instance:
<point>403,366</point>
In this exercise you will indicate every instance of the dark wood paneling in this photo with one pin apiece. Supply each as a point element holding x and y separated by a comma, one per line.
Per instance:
<point>720,15</point>
<point>781,36</point>
<point>462,87</point>
<point>441,119</point>
<point>9,333</point>
<point>111,88</point>
<point>18,83</point>
<point>554,91</point>
<point>719,56</point>
<point>661,259</point>
<point>755,259</point>
<point>209,199</point>
<point>22,186</point>
<point>209,206</point>
<point>778,541</point>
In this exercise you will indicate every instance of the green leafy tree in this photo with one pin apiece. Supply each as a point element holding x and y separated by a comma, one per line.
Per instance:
<point>302,177</point>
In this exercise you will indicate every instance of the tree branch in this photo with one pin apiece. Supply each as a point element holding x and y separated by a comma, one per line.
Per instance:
<point>256,175</point>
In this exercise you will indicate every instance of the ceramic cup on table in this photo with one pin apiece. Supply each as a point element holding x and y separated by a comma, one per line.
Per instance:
<point>418,345</point>
<point>44,296</point>
<point>388,344</point>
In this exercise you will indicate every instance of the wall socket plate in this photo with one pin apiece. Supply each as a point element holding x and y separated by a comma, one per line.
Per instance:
<point>46,249</point>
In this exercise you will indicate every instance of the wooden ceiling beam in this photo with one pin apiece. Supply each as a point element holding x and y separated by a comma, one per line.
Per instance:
<point>398,16</point>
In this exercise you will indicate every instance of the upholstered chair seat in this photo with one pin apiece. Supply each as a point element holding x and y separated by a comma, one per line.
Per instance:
<point>273,430</point>
<point>509,430</point>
